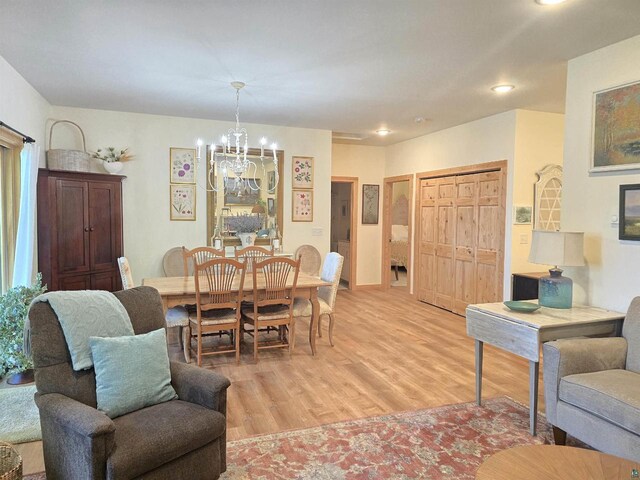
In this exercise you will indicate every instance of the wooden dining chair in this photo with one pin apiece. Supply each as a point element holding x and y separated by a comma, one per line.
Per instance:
<point>196,256</point>
<point>219,288</point>
<point>274,286</point>
<point>175,316</point>
<point>310,259</point>
<point>331,270</point>
<point>251,255</point>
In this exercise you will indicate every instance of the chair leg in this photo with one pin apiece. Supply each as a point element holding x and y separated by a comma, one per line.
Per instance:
<point>199,347</point>
<point>180,335</point>
<point>331,321</point>
<point>255,341</point>
<point>559,436</point>
<point>237,347</point>
<point>319,325</point>
<point>186,343</point>
<point>292,335</point>
<point>397,273</point>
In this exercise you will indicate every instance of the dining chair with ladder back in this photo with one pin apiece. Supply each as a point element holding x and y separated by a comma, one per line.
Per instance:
<point>310,259</point>
<point>175,317</point>
<point>172,262</point>
<point>331,270</point>
<point>272,302</point>
<point>251,255</point>
<point>199,255</point>
<point>219,287</point>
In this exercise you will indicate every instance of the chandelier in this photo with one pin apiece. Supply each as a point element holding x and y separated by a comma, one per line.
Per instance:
<point>232,162</point>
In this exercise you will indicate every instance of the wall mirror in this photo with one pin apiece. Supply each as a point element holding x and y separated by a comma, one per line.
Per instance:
<point>547,193</point>
<point>266,207</point>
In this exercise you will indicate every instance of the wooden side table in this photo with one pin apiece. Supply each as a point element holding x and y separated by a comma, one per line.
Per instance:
<point>523,333</point>
<point>553,462</point>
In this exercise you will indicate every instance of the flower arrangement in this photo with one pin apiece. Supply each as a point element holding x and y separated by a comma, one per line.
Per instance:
<point>14,307</point>
<point>112,155</point>
<point>244,223</point>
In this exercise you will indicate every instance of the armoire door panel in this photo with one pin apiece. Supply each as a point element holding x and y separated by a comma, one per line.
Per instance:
<point>104,281</point>
<point>75,282</point>
<point>102,223</point>
<point>72,227</point>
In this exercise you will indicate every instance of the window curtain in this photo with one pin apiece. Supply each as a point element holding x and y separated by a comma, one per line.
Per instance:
<point>10,146</point>
<point>23,269</point>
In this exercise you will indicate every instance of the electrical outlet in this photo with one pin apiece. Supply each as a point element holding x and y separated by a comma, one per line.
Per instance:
<point>316,232</point>
<point>524,239</point>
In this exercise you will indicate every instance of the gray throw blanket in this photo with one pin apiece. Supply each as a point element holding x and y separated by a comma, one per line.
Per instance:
<point>83,314</point>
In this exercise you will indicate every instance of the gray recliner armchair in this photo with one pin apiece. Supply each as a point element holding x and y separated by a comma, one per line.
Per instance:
<point>183,438</point>
<point>592,388</point>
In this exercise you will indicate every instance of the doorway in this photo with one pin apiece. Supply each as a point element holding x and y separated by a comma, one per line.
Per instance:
<point>344,206</point>
<point>396,231</point>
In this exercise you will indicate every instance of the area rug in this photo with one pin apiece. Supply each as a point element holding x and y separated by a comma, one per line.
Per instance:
<point>448,442</point>
<point>19,420</point>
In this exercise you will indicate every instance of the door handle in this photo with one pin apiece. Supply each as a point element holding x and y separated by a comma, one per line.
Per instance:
<point>86,229</point>
<point>91,229</point>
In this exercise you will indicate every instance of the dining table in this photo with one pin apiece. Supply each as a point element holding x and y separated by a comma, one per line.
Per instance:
<point>176,291</point>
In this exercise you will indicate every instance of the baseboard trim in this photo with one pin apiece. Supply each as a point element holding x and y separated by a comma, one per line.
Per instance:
<point>376,286</point>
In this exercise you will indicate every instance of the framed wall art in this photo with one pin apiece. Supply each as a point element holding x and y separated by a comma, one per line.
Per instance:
<point>522,214</point>
<point>271,207</point>
<point>302,171</point>
<point>616,130</point>
<point>370,204</point>
<point>302,206</point>
<point>182,162</point>
<point>629,219</point>
<point>183,202</point>
<point>243,194</point>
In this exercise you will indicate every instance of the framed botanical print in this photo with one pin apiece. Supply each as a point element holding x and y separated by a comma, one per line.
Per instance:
<point>370,204</point>
<point>182,162</point>
<point>183,202</point>
<point>302,171</point>
<point>302,206</point>
<point>629,218</point>
<point>616,130</point>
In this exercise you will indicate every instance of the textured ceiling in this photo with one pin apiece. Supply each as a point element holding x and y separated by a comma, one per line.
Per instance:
<point>343,65</point>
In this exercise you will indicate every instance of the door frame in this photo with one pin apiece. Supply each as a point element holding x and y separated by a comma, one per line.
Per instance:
<point>353,226</point>
<point>499,165</point>
<point>386,228</point>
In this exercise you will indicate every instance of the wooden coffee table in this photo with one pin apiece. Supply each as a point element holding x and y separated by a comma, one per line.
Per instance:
<point>553,462</point>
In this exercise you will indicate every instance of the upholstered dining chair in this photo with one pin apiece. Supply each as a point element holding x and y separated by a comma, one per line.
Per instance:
<point>218,304</point>
<point>175,317</point>
<point>273,302</point>
<point>251,255</point>
<point>198,255</point>
<point>310,259</point>
<point>331,270</point>
<point>172,262</point>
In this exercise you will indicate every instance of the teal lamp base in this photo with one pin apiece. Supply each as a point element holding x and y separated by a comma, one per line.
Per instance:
<point>555,291</point>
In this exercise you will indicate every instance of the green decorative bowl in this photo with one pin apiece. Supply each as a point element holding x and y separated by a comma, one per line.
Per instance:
<point>521,306</point>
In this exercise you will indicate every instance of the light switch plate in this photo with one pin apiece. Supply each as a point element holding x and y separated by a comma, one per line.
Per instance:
<point>524,239</point>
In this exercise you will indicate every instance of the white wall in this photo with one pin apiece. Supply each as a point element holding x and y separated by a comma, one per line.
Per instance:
<point>21,106</point>
<point>148,232</point>
<point>485,140</point>
<point>539,142</point>
<point>610,278</point>
<point>368,164</point>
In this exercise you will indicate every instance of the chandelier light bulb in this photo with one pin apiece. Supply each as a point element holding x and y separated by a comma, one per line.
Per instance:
<point>263,141</point>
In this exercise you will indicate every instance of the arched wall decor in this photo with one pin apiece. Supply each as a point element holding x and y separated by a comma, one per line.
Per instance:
<point>547,192</point>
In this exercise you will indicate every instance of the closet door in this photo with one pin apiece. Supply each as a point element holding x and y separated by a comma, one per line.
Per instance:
<point>427,241</point>
<point>444,244</point>
<point>466,232</point>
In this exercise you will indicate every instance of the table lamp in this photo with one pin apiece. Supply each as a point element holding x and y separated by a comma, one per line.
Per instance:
<point>565,249</point>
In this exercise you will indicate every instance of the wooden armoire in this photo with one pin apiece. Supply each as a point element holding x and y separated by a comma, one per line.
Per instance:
<point>79,230</point>
<point>461,234</point>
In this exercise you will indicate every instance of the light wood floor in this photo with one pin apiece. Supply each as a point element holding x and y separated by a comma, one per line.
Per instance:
<point>391,354</point>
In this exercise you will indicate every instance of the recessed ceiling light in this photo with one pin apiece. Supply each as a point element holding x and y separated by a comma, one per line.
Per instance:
<point>383,132</point>
<point>502,88</point>
<point>549,2</point>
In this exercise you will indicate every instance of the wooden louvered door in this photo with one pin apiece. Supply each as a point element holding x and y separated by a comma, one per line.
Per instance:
<point>461,239</point>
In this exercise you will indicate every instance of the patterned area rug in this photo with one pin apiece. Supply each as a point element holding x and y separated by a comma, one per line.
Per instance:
<point>448,442</point>
<point>19,419</point>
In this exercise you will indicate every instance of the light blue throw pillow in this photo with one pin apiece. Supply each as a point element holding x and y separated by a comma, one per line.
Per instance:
<point>132,372</point>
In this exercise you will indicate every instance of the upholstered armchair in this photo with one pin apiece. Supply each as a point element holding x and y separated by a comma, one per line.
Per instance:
<point>592,388</point>
<point>182,438</point>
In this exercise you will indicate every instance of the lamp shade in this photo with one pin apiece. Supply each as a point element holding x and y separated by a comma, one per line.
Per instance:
<point>564,249</point>
<point>258,209</point>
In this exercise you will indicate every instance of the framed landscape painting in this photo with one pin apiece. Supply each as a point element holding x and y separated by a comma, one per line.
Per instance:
<point>302,172</point>
<point>302,206</point>
<point>183,165</point>
<point>183,202</point>
<point>240,193</point>
<point>370,204</point>
<point>616,129</point>
<point>629,212</point>
<point>522,215</point>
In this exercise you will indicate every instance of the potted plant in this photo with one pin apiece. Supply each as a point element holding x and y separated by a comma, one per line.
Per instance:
<point>245,227</point>
<point>14,308</point>
<point>112,159</point>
